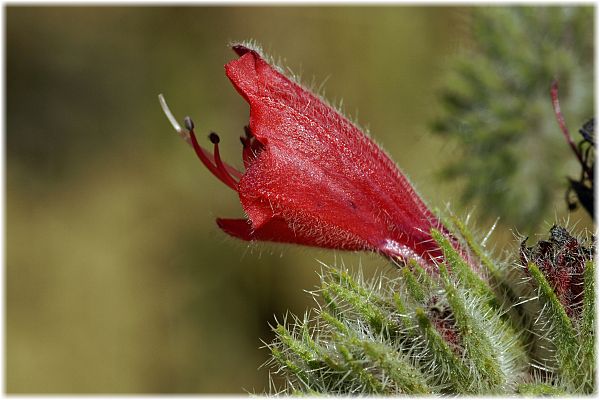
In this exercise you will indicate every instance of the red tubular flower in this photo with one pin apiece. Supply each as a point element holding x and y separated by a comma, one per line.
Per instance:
<point>312,177</point>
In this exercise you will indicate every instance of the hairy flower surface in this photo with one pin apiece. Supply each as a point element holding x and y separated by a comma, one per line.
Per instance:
<point>312,177</point>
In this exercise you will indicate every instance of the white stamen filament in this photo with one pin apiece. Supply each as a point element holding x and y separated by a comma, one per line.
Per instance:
<point>182,132</point>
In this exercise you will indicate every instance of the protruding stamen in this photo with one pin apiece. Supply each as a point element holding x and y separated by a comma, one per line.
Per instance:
<point>169,114</point>
<point>224,172</point>
<point>203,155</point>
<point>226,176</point>
<point>180,131</point>
<point>214,138</point>
<point>189,124</point>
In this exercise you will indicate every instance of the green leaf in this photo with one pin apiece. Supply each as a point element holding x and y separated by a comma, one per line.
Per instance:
<point>588,327</point>
<point>479,350</point>
<point>474,246</point>
<point>366,304</point>
<point>407,378</point>
<point>414,287</point>
<point>565,336</point>
<point>462,271</point>
<point>402,312</point>
<point>449,369</point>
<point>357,366</point>
<point>539,389</point>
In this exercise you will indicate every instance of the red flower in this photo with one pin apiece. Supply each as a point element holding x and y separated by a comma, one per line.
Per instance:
<point>312,177</point>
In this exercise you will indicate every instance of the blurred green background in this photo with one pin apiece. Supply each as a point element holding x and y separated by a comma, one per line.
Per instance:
<point>118,280</point>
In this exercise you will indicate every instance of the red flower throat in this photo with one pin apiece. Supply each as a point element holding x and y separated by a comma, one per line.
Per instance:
<point>311,176</point>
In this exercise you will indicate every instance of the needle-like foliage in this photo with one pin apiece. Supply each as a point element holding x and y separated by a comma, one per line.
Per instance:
<point>451,332</point>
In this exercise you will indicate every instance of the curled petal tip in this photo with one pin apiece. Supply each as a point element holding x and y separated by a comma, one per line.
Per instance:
<point>240,49</point>
<point>239,228</point>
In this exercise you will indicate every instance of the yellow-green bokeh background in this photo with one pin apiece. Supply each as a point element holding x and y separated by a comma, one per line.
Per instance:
<point>118,280</point>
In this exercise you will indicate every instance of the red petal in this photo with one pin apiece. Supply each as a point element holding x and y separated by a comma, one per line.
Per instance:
<point>251,148</point>
<point>275,230</point>
<point>320,173</point>
<point>239,228</point>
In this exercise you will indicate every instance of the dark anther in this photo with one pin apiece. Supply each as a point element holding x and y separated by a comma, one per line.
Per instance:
<point>189,124</point>
<point>214,138</point>
<point>247,131</point>
<point>244,141</point>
